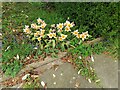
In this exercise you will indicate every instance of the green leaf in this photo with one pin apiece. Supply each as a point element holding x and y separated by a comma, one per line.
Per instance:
<point>47,50</point>
<point>33,38</point>
<point>54,55</point>
<point>41,46</point>
<point>48,44</point>
<point>53,43</point>
<point>80,42</point>
<point>62,46</point>
<point>39,52</point>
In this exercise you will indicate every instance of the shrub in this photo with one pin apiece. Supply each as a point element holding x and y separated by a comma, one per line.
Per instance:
<point>101,19</point>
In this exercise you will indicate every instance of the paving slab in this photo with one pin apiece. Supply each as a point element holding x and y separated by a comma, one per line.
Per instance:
<point>105,67</point>
<point>107,70</point>
<point>65,77</point>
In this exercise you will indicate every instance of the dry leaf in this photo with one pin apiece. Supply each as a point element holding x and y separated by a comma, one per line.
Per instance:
<point>77,85</point>
<point>34,76</point>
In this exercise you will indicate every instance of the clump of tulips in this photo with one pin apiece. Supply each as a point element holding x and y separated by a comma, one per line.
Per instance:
<point>56,33</point>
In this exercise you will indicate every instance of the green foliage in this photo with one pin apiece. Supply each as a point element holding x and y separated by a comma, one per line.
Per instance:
<point>31,83</point>
<point>113,49</point>
<point>86,50</point>
<point>81,50</point>
<point>98,48</point>
<point>100,19</point>
<point>12,57</point>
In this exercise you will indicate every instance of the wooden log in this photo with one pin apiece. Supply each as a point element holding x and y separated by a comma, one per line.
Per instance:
<point>93,41</point>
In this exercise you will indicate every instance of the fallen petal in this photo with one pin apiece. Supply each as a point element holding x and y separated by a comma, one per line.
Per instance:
<point>79,71</point>
<point>74,77</point>
<point>80,57</point>
<point>97,80</point>
<point>54,83</point>
<point>24,77</point>
<point>61,74</point>
<point>7,48</point>
<point>92,58</point>
<point>35,47</point>
<point>42,83</point>
<point>89,80</point>
<point>91,68</point>
<point>54,75</point>
<point>17,57</point>
<point>28,57</point>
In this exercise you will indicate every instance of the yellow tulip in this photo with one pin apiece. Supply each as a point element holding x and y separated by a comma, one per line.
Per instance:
<point>67,29</point>
<point>39,20</point>
<point>60,25</point>
<point>60,30</point>
<point>54,35</point>
<point>50,35</point>
<point>39,38</point>
<point>42,31</point>
<point>78,36</point>
<point>83,36</point>
<point>63,36</point>
<point>60,38</point>
<point>75,32</point>
<point>27,30</point>
<point>43,25</point>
